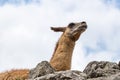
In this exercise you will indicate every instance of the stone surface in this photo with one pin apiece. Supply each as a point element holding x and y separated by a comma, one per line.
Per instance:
<point>41,69</point>
<point>95,70</point>
<point>101,69</point>
<point>64,75</point>
<point>119,64</point>
<point>112,77</point>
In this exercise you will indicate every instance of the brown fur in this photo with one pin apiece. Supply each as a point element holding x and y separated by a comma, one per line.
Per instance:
<point>63,47</point>
<point>61,59</point>
<point>21,74</point>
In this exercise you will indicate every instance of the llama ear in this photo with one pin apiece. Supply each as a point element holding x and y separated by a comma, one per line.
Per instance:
<point>58,29</point>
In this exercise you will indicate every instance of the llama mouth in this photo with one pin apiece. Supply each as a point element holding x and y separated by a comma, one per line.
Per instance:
<point>84,26</point>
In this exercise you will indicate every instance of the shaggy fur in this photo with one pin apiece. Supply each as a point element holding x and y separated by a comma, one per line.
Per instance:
<point>61,59</point>
<point>14,75</point>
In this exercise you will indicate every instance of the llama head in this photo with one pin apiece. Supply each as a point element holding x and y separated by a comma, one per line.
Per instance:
<point>73,30</point>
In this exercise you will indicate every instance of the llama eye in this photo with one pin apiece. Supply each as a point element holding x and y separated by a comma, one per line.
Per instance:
<point>71,25</point>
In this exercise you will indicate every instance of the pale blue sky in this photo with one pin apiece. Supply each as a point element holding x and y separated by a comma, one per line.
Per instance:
<point>18,2</point>
<point>26,38</point>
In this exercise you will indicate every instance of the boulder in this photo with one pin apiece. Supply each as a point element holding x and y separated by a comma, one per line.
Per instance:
<point>64,75</point>
<point>112,77</point>
<point>97,69</point>
<point>119,64</point>
<point>41,69</point>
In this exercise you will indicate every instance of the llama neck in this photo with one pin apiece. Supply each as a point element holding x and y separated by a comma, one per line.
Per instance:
<point>65,47</point>
<point>65,44</point>
<point>61,59</point>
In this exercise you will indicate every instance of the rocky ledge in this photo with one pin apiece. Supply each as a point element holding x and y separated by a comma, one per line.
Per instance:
<point>95,70</point>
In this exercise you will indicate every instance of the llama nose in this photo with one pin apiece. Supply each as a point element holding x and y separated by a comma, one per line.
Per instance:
<point>83,22</point>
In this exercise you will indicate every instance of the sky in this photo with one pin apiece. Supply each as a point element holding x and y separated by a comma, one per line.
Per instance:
<point>26,38</point>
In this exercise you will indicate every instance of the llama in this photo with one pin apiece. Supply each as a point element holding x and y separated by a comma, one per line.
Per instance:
<point>61,58</point>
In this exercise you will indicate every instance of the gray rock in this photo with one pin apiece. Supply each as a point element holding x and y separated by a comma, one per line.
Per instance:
<point>112,77</point>
<point>95,70</point>
<point>41,69</point>
<point>101,69</point>
<point>64,75</point>
<point>119,64</point>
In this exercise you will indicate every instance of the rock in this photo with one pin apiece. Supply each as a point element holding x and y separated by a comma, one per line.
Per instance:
<point>119,64</point>
<point>112,77</point>
<point>97,69</point>
<point>115,77</point>
<point>41,69</point>
<point>64,75</point>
